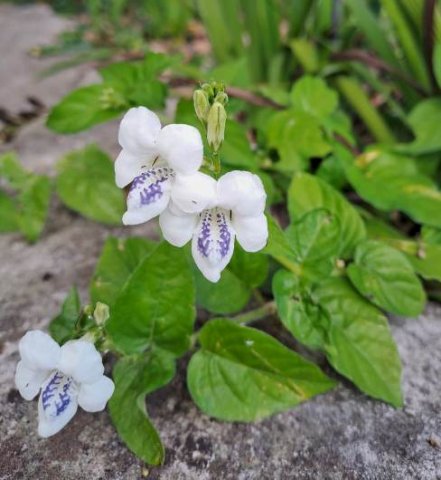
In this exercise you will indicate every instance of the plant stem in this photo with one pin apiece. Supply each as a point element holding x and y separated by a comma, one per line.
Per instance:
<point>261,312</point>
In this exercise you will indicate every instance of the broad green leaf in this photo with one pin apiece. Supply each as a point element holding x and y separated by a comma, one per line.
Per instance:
<point>83,108</point>
<point>135,377</point>
<point>312,95</point>
<point>393,182</point>
<point>250,268</point>
<point>228,295</point>
<point>34,200</point>
<point>307,193</point>
<point>12,171</point>
<point>424,257</point>
<point>8,213</point>
<point>156,305</point>
<point>86,184</point>
<point>424,121</point>
<point>431,235</point>
<point>236,150</point>
<point>297,136</point>
<point>359,344</point>
<point>119,259</point>
<point>384,276</point>
<point>316,240</point>
<point>300,315</point>
<point>62,327</point>
<point>243,374</point>
<point>332,172</point>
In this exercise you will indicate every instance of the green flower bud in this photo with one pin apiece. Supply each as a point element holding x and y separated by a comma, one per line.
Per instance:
<point>217,116</point>
<point>222,98</point>
<point>201,104</point>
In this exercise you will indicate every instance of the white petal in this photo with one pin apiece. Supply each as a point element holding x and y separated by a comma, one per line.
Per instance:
<point>81,360</point>
<point>241,192</point>
<point>251,232</point>
<point>94,396</point>
<point>194,193</point>
<point>138,131</point>
<point>128,166</point>
<point>149,195</point>
<point>177,229</point>
<point>213,243</point>
<point>29,381</point>
<point>57,404</point>
<point>38,350</point>
<point>181,146</point>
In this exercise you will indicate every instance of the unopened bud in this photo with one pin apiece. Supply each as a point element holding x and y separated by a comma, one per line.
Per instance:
<point>217,116</point>
<point>101,313</point>
<point>222,98</point>
<point>201,104</point>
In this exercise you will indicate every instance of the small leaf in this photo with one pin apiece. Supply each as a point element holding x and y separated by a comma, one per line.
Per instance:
<point>424,121</point>
<point>156,305</point>
<point>81,109</point>
<point>384,276</point>
<point>307,193</point>
<point>300,315</point>
<point>86,184</point>
<point>119,259</point>
<point>359,344</point>
<point>312,95</point>
<point>8,213</point>
<point>135,377</point>
<point>62,327</point>
<point>242,374</point>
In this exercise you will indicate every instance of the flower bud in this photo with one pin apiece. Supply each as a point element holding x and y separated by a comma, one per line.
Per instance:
<point>201,104</point>
<point>222,98</point>
<point>217,116</point>
<point>101,313</point>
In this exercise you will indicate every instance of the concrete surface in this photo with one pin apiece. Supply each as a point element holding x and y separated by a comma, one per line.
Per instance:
<point>341,435</point>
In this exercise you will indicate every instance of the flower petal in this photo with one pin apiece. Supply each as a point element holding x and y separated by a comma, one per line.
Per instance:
<point>57,404</point>
<point>94,396</point>
<point>149,195</point>
<point>241,192</point>
<point>177,229</point>
<point>128,166</point>
<point>251,232</point>
<point>138,131</point>
<point>29,381</point>
<point>213,243</point>
<point>81,361</point>
<point>194,193</point>
<point>181,146</point>
<point>39,351</point>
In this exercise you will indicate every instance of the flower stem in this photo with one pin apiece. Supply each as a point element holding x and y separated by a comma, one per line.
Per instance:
<point>261,312</point>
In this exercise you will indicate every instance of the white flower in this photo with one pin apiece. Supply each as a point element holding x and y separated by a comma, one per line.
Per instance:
<point>67,376</point>
<point>152,160</point>
<point>237,211</point>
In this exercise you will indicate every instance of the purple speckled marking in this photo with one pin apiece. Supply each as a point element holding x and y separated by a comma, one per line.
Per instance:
<point>153,180</point>
<point>224,234</point>
<point>206,234</point>
<point>52,396</point>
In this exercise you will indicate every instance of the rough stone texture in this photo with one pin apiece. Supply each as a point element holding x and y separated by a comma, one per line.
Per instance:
<point>341,435</point>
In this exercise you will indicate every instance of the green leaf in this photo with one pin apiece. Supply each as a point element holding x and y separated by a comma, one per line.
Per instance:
<point>312,95</point>
<point>228,295</point>
<point>424,121</point>
<point>236,150</point>
<point>300,315</point>
<point>62,327</point>
<point>82,109</point>
<point>8,213</point>
<point>134,378</point>
<point>242,374</point>
<point>12,171</point>
<point>297,136</point>
<point>431,235</point>
<point>119,259</point>
<point>359,344</point>
<point>393,182</point>
<point>34,200</point>
<point>251,268</point>
<point>316,240</point>
<point>307,193</point>
<point>156,305</point>
<point>86,184</point>
<point>384,276</point>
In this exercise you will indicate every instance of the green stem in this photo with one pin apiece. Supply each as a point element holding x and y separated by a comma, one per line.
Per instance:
<point>261,312</point>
